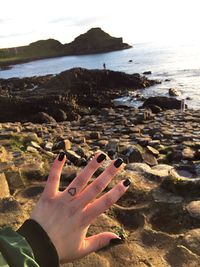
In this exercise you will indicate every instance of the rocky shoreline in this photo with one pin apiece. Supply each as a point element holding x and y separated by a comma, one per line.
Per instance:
<point>159,217</point>
<point>64,96</point>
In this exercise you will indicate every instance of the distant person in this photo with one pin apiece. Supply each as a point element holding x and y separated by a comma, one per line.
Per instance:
<point>104,66</point>
<point>57,228</point>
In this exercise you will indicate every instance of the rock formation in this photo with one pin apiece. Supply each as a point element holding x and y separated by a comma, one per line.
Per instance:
<point>93,41</point>
<point>64,96</point>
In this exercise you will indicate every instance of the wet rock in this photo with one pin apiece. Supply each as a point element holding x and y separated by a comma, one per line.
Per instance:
<point>147,72</point>
<point>163,102</point>
<point>174,92</point>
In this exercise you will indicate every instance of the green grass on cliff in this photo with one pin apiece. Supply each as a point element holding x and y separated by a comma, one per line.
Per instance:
<point>36,50</point>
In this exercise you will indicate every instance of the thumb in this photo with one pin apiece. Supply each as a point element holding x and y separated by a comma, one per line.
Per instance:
<point>96,242</point>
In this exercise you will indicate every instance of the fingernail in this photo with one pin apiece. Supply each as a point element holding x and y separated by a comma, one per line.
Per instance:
<point>118,162</point>
<point>115,241</point>
<point>127,182</point>
<point>61,156</point>
<point>101,157</point>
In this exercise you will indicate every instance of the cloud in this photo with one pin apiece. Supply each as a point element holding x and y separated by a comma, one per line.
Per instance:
<point>15,34</point>
<point>59,20</point>
<point>6,20</point>
<point>77,22</point>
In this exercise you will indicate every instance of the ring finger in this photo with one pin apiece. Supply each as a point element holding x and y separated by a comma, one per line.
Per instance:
<point>82,179</point>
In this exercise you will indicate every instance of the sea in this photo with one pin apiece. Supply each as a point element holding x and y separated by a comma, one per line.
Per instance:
<point>175,65</point>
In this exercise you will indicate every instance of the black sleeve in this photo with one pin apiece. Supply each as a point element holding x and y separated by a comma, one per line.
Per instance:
<point>44,251</point>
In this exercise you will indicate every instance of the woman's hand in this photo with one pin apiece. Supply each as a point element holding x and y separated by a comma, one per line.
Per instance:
<point>67,215</point>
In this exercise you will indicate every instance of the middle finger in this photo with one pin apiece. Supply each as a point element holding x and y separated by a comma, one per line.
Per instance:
<point>99,184</point>
<point>82,179</point>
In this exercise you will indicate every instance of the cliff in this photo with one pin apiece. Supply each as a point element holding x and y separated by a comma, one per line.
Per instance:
<point>93,41</point>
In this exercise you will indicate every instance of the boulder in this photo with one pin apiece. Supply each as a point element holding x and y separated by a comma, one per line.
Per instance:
<point>162,102</point>
<point>58,114</point>
<point>133,154</point>
<point>174,92</point>
<point>63,144</point>
<point>147,72</point>
<point>42,117</point>
<point>73,157</point>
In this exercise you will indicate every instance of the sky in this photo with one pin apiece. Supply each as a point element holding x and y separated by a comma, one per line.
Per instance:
<point>137,21</point>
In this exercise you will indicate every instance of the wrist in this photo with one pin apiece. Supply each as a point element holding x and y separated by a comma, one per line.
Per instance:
<point>43,249</point>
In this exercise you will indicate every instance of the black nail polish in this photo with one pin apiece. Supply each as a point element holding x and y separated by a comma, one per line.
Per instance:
<point>118,162</point>
<point>101,157</point>
<point>127,182</point>
<point>61,156</point>
<point>115,241</point>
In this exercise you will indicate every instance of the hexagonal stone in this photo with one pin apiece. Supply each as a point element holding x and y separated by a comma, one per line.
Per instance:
<point>4,189</point>
<point>192,240</point>
<point>193,209</point>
